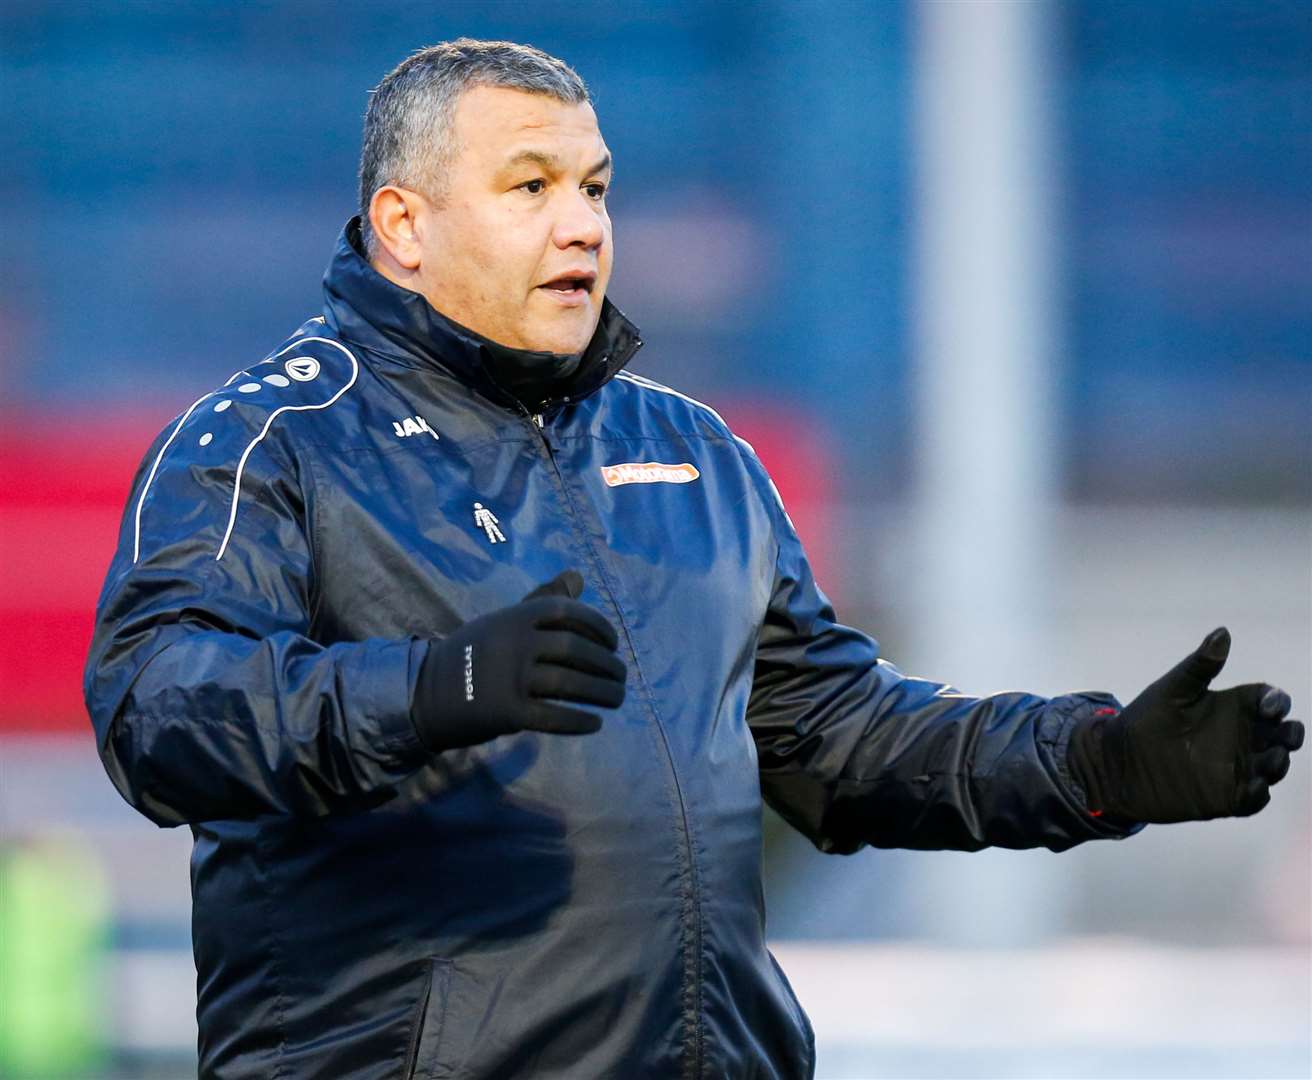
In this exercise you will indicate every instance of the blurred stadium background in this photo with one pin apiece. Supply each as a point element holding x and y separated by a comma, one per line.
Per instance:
<point>1012,297</point>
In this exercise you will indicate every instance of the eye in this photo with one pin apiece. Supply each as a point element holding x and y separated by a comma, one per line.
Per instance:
<point>534,187</point>
<point>595,190</point>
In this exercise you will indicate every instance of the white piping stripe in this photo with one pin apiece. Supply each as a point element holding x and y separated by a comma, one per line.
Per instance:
<point>661,388</point>
<point>136,538</point>
<point>141,502</point>
<point>241,464</point>
<point>643,381</point>
<point>137,532</point>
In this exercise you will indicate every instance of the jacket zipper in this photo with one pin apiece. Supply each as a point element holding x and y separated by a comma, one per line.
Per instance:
<point>539,429</point>
<point>417,1024</point>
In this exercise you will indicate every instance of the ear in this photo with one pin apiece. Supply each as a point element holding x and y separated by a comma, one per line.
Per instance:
<point>394,214</point>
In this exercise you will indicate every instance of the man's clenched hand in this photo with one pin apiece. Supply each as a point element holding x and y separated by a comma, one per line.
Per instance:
<point>510,671</point>
<point>1182,752</point>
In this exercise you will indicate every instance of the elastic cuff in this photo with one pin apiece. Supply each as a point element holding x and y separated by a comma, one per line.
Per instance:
<point>1075,710</point>
<point>378,680</point>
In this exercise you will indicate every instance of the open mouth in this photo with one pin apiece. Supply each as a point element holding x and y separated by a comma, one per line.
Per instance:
<point>570,286</point>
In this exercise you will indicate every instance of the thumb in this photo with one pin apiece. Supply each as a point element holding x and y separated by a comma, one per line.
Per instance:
<point>568,583</point>
<point>1190,678</point>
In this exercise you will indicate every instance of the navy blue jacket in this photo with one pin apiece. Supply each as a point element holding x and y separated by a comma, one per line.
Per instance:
<point>561,907</point>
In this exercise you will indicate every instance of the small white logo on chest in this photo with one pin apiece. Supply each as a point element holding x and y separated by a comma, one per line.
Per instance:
<point>412,425</point>
<point>487,521</point>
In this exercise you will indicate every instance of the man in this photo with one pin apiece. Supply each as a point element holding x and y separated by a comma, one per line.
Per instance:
<point>469,657</point>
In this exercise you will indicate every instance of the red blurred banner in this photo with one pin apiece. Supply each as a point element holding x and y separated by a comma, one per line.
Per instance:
<point>64,478</point>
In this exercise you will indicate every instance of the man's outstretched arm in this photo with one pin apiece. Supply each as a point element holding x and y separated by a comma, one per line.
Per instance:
<point>853,752</point>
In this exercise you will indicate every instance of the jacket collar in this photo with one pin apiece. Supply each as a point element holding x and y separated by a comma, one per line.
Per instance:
<point>367,308</point>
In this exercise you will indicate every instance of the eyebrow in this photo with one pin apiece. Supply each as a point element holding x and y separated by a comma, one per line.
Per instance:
<point>552,163</point>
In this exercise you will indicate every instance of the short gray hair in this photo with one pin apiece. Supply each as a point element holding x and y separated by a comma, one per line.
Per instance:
<point>407,126</point>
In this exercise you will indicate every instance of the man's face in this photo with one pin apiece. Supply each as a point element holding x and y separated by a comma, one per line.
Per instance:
<point>519,248</point>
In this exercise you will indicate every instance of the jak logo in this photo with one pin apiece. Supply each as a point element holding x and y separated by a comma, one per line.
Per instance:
<point>412,425</point>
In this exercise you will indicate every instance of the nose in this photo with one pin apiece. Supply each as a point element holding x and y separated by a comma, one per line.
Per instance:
<point>579,224</point>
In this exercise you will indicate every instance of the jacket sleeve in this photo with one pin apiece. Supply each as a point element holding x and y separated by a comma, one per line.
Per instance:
<point>852,752</point>
<point>208,699</point>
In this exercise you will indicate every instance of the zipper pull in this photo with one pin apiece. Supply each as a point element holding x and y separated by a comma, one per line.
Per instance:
<point>544,432</point>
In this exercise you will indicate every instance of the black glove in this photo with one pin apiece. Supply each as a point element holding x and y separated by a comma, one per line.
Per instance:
<point>1181,752</point>
<point>505,671</point>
